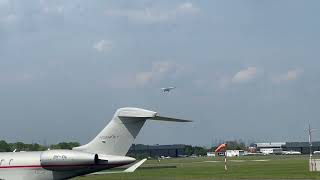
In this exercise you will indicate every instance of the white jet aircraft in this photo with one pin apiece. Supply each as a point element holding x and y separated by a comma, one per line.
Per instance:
<point>107,150</point>
<point>167,89</point>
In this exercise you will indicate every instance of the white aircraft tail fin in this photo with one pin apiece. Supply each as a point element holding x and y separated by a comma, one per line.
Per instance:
<point>117,137</point>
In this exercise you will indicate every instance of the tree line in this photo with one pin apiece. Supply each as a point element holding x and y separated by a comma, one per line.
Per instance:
<point>20,146</point>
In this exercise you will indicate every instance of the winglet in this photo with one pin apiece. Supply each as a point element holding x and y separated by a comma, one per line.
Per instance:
<point>135,166</point>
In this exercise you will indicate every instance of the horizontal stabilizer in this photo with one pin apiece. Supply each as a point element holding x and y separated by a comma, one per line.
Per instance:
<point>135,166</point>
<point>131,169</point>
<point>162,118</point>
<point>146,114</point>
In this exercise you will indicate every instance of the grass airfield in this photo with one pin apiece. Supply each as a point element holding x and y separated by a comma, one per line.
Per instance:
<point>249,167</point>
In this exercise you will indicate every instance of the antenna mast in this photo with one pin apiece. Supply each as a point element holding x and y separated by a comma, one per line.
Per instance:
<point>310,140</point>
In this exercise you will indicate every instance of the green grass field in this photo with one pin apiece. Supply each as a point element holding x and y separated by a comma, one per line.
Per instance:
<point>258,167</point>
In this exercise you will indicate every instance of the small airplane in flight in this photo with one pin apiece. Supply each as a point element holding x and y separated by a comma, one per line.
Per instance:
<point>167,89</point>
<point>107,150</point>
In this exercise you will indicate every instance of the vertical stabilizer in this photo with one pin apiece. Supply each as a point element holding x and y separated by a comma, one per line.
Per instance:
<point>117,137</point>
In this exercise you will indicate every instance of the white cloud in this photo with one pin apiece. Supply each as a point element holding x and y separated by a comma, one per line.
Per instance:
<point>9,19</point>
<point>103,46</point>
<point>18,77</point>
<point>143,78</point>
<point>288,76</point>
<point>186,8</point>
<point>154,15</point>
<point>4,2</point>
<point>7,15</point>
<point>53,9</point>
<point>293,74</point>
<point>157,72</point>
<point>224,82</point>
<point>245,75</point>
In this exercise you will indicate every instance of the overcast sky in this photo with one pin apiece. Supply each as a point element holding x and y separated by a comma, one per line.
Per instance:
<point>243,69</point>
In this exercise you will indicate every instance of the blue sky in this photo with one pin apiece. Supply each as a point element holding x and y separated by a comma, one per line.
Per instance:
<point>243,69</point>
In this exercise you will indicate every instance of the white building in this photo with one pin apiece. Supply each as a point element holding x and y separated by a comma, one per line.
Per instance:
<point>211,154</point>
<point>235,153</point>
<point>271,151</point>
<point>270,145</point>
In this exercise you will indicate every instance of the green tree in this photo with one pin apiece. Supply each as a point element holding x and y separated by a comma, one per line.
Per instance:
<point>200,150</point>
<point>235,145</point>
<point>4,146</point>
<point>188,150</point>
<point>65,145</point>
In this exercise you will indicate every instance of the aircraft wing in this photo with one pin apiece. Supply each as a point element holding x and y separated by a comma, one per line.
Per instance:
<point>131,169</point>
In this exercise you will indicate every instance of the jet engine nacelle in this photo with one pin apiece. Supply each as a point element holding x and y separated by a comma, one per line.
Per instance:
<point>60,160</point>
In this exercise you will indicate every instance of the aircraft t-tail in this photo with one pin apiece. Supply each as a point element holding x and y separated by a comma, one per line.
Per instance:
<point>107,150</point>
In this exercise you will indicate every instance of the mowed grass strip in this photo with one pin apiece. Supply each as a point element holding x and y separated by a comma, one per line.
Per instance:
<point>271,167</point>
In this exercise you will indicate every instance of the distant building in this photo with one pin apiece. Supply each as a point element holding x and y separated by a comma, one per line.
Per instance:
<point>252,149</point>
<point>158,150</point>
<point>271,150</point>
<point>302,147</point>
<point>236,153</point>
<point>275,147</point>
<point>269,145</point>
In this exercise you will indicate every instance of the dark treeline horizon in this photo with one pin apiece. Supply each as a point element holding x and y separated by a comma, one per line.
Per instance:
<point>20,146</point>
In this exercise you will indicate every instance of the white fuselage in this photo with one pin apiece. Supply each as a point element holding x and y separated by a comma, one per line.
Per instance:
<point>27,166</point>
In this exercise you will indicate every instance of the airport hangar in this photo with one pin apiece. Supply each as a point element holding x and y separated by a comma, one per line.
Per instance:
<point>175,150</point>
<point>302,147</point>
